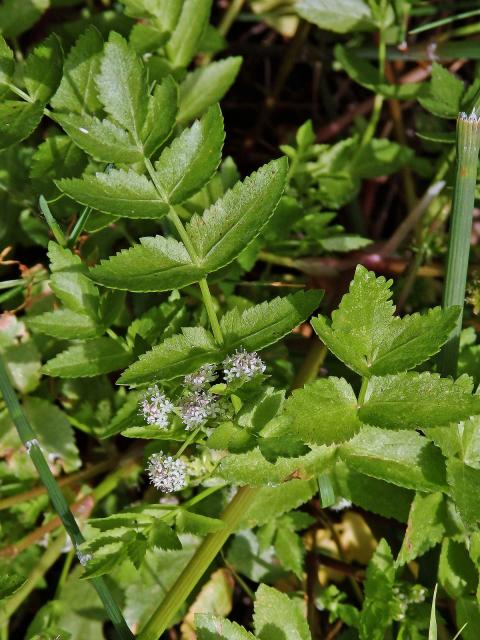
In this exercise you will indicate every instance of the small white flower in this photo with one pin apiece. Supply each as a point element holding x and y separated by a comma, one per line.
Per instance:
<point>167,474</point>
<point>199,378</point>
<point>341,505</point>
<point>242,365</point>
<point>197,408</point>
<point>156,407</point>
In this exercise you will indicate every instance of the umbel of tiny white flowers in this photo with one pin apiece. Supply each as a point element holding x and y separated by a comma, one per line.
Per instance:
<point>156,407</point>
<point>197,408</point>
<point>242,365</point>
<point>166,473</point>
<point>207,373</point>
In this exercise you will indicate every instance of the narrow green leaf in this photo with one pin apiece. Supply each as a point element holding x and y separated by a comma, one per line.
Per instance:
<point>43,70</point>
<point>205,86</point>
<point>193,157</point>
<point>404,458</point>
<point>189,29</point>
<point>432,629</point>
<point>100,138</point>
<point>77,92</point>
<point>324,412</point>
<point>18,120</point>
<point>88,359</point>
<point>117,192</point>
<point>160,118</point>
<point>417,400</point>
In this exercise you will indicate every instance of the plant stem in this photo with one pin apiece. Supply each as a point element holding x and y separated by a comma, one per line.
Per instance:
<point>200,562</point>
<point>363,391</point>
<point>79,226</point>
<point>27,435</point>
<point>468,143</point>
<point>212,316</point>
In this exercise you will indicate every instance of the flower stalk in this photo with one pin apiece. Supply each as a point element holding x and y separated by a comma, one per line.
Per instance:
<point>468,144</point>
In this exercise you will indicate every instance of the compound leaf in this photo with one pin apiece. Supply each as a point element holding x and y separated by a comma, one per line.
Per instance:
<point>88,359</point>
<point>43,70</point>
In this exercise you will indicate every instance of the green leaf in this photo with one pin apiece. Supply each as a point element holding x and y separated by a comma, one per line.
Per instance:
<point>88,359</point>
<point>463,481</point>
<point>404,458</point>
<point>340,16</point>
<point>100,138</point>
<point>377,612</point>
<point>176,356</point>
<point>117,192</point>
<point>456,572</point>
<point>77,92</point>
<point>161,536</point>
<point>271,502</point>
<point>290,550</point>
<point>205,86</point>
<point>18,120</point>
<point>278,617</point>
<point>230,224</point>
<point>189,29</point>
<point>7,63</point>
<point>9,583</point>
<point>200,525</point>
<point>160,118</point>
<point>121,85</point>
<point>264,324</point>
<point>366,336</point>
<point>210,627</point>
<point>444,94</point>
<point>43,70</point>
<point>65,324</point>
<point>193,157</point>
<point>417,400</point>
<point>324,412</point>
<point>468,616</point>
<point>17,17</point>
<point>57,157</point>
<point>156,264</point>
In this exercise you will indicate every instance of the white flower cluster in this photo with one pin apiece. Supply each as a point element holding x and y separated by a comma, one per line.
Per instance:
<point>207,373</point>
<point>197,408</point>
<point>156,407</point>
<point>242,365</point>
<point>167,474</point>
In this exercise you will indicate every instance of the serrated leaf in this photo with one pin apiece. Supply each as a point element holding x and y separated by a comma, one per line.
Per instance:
<point>190,161</point>
<point>290,550</point>
<point>18,120</point>
<point>456,572</point>
<point>17,17</point>
<point>266,323</point>
<point>324,412</point>
<point>176,356</point>
<point>77,92</point>
<point>43,70</point>
<point>7,64</point>
<point>188,31</point>
<point>200,525</point>
<point>444,93</point>
<point>210,627</point>
<point>121,85</point>
<point>417,400</point>
<point>229,225</point>
<point>205,86</point>
<point>100,138</point>
<point>277,616</point>
<point>162,536</point>
<point>271,502</point>
<point>160,118</point>
<point>463,481</point>
<point>88,359</point>
<point>57,157</point>
<point>65,324</point>
<point>404,458</point>
<point>117,192</point>
<point>366,336</point>
<point>340,16</point>
<point>376,612</point>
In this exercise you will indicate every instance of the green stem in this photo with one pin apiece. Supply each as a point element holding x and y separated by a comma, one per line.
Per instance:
<point>52,223</point>
<point>188,441</point>
<point>363,391</point>
<point>212,316</point>
<point>468,143</point>
<point>79,226</point>
<point>27,435</point>
<point>200,562</point>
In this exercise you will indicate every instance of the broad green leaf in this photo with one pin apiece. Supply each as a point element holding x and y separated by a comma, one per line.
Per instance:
<point>77,92</point>
<point>65,324</point>
<point>340,16</point>
<point>88,359</point>
<point>380,157</point>
<point>456,572</point>
<point>278,617</point>
<point>121,85</point>
<point>43,70</point>
<point>210,627</point>
<point>18,120</point>
<point>100,138</point>
<point>57,157</point>
<point>324,412</point>
<point>160,118</point>
<point>156,264</point>
<point>368,338</point>
<point>427,526</point>
<point>176,356</point>
<point>193,157</point>
<point>404,458</point>
<point>290,550</point>
<point>377,611</point>
<point>417,400</point>
<point>188,31</point>
<point>117,192</point>
<point>230,224</point>
<point>463,481</point>
<point>205,86</point>
<point>17,17</point>
<point>468,617</point>
<point>147,39</point>
<point>200,525</point>
<point>263,324</point>
<point>271,502</point>
<point>444,93</point>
